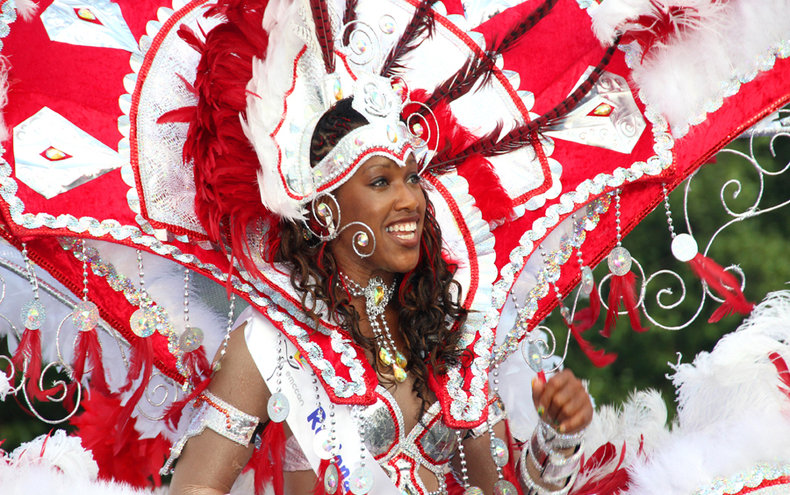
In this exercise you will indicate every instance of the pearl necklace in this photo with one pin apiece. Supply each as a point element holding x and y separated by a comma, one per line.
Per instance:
<point>377,296</point>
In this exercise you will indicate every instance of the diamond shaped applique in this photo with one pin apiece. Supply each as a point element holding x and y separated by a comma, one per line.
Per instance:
<point>607,117</point>
<point>96,23</point>
<point>53,155</point>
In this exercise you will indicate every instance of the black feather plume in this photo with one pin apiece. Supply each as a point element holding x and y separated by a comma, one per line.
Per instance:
<point>323,31</point>
<point>519,30</point>
<point>422,22</point>
<point>349,16</point>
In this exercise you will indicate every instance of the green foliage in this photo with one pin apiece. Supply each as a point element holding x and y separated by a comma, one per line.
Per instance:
<point>757,244</point>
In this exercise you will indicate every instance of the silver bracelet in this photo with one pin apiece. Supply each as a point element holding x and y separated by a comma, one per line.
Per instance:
<point>554,467</point>
<point>216,414</point>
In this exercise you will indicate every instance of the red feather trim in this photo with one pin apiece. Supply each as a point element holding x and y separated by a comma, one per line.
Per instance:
<point>89,348</point>
<point>585,319</point>
<point>622,288</point>
<point>267,460</point>
<point>197,365</point>
<point>724,284</point>
<point>141,367</point>
<point>599,358</point>
<point>176,409</point>
<point>29,351</point>
<point>116,444</point>
<point>782,370</point>
<point>610,483</point>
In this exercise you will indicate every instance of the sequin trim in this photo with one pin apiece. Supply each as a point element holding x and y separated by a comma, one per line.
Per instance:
<point>753,478</point>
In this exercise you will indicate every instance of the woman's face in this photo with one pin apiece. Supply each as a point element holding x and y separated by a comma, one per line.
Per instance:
<point>390,200</point>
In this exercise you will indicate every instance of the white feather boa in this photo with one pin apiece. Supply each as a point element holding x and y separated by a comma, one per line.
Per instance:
<point>26,8</point>
<point>732,414</point>
<point>717,45</point>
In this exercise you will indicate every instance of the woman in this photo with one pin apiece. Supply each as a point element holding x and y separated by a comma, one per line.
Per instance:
<point>414,336</point>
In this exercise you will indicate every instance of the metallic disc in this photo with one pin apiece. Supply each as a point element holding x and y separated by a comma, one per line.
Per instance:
<point>619,261</point>
<point>191,339</point>
<point>143,322</point>
<point>361,480</point>
<point>504,487</point>
<point>684,247</point>
<point>278,407</point>
<point>33,314</point>
<point>499,452</point>
<point>85,316</point>
<point>322,444</point>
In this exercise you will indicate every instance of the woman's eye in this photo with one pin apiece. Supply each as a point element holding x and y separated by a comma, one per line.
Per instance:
<point>414,179</point>
<point>379,182</point>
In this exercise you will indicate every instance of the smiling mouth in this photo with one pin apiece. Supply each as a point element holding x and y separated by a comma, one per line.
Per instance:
<point>405,231</point>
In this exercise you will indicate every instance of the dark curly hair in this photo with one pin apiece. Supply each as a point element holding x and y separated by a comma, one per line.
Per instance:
<point>428,297</point>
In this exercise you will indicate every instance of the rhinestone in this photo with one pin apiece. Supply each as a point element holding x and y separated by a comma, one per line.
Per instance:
<point>86,15</point>
<point>362,45</point>
<point>361,239</point>
<point>358,141</point>
<point>565,312</point>
<point>417,129</point>
<point>684,247</point>
<point>385,357</point>
<point>331,479</point>
<point>85,316</point>
<point>387,25</point>
<point>392,133</point>
<point>588,281</point>
<point>191,339</point>
<point>400,88</point>
<point>504,487</point>
<point>400,375</point>
<point>53,154</point>
<point>499,452</point>
<point>323,210</point>
<point>143,322</point>
<point>473,490</point>
<point>400,360</point>
<point>278,407</point>
<point>33,314</point>
<point>361,481</point>
<point>322,444</point>
<point>535,357</point>
<point>338,90</point>
<point>602,110</point>
<point>619,261</point>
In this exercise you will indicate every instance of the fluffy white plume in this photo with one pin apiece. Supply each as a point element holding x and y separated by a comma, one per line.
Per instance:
<point>26,8</point>
<point>692,71</point>
<point>271,79</point>
<point>58,451</point>
<point>5,386</point>
<point>28,479</point>
<point>732,414</point>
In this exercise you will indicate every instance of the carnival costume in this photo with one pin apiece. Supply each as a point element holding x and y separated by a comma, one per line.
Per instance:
<point>531,159</point>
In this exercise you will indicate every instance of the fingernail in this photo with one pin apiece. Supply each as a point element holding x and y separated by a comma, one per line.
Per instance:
<point>541,410</point>
<point>562,429</point>
<point>542,376</point>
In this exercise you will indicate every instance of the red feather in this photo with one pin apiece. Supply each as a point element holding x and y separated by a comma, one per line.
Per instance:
<point>585,319</point>
<point>267,460</point>
<point>116,444</point>
<point>176,409</point>
<point>141,367</point>
<point>197,365</point>
<point>28,352</point>
<point>782,370</point>
<point>88,348</point>
<point>611,483</point>
<point>724,284</point>
<point>622,288</point>
<point>324,34</point>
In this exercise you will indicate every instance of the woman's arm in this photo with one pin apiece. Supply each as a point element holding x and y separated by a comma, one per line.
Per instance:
<point>210,463</point>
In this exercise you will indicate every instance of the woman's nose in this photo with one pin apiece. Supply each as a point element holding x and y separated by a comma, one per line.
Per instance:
<point>407,196</point>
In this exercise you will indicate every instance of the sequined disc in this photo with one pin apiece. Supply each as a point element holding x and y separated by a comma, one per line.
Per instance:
<point>191,339</point>
<point>473,490</point>
<point>361,481</point>
<point>499,451</point>
<point>33,314</point>
<point>619,261</point>
<point>504,487</point>
<point>534,357</point>
<point>331,479</point>
<point>278,407</point>
<point>143,322</point>
<point>85,316</point>
<point>322,445</point>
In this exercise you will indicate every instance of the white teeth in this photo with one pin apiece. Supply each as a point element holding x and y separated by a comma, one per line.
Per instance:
<point>403,227</point>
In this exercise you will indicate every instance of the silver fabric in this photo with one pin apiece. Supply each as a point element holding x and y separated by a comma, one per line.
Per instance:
<point>98,23</point>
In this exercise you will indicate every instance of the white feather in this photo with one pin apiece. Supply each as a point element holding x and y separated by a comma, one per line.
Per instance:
<point>26,8</point>
<point>611,15</point>
<point>271,79</point>
<point>691,73</point>
<point>59,451</point>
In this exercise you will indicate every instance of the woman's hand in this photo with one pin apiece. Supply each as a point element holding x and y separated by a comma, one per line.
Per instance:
<point>563,402</point>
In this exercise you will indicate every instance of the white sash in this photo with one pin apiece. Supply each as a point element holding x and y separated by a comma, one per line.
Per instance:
<point>307,408</point>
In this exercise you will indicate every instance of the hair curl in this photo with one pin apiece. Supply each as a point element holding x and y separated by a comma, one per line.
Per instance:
<point>428,308</point>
